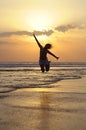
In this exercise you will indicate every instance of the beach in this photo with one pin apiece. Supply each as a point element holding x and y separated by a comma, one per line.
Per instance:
<point>61,107</point>
<point>31,100</point>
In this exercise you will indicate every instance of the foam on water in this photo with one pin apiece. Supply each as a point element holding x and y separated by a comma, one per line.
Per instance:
<point>28,75</point>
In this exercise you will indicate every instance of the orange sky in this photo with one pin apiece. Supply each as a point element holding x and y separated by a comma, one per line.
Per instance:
<point>61,23</point>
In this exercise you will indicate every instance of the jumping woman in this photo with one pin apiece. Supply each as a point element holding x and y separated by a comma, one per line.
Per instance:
<point>43,60</point>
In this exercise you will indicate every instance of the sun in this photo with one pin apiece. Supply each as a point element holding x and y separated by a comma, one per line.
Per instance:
<point>39,21</point>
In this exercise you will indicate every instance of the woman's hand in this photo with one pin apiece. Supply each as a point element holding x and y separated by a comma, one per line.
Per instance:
<point>34,34</point>
<point>57,58</point>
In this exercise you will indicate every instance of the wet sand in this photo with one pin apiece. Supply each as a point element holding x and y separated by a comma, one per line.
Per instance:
<point>61,106</point>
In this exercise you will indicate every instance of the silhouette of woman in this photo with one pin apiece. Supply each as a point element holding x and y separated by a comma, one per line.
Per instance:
<point>43,60</point>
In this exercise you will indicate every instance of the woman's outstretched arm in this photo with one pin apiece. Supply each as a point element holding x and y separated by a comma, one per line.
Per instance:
<point>37,41</point>
<point>53,55</point>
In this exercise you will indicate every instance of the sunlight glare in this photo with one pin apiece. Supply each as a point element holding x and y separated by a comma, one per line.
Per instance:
<point>39,22</point>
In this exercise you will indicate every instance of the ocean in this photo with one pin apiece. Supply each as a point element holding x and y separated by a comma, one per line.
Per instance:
<point>28,75</point>
<point>32,100</point>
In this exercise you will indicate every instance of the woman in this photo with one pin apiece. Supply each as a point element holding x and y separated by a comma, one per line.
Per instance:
<point>43,60</point>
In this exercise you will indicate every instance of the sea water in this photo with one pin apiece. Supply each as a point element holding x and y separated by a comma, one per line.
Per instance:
<point>28,75</point>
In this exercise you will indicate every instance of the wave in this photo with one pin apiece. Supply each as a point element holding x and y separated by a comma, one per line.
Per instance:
<point>35,79</point>
<point>23,75</point>
<point>53,70</point>
<point>9,70</point>
<point>36,64</point>
<point>18,64</point>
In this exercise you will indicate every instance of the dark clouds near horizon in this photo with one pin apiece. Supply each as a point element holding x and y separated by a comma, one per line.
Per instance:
<point>65,28</point>
<point>27,33</point>
<point>62,28</point>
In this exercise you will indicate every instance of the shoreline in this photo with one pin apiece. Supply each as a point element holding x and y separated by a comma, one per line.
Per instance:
<point>61,107</point>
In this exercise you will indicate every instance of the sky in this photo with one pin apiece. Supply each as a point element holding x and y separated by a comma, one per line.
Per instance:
<point>59,22</point>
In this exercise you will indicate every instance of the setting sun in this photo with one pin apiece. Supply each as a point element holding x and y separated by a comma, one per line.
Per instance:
<point>39,20</point>
<point>40,23</point>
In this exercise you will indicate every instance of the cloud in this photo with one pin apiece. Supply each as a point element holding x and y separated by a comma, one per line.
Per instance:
<point>8,34</point>
<point>4,42</point>
<point>62,28</point>
<point>48,33</point>
<point>65,28</point>
<point>20,33</point>
<point>83,26</point>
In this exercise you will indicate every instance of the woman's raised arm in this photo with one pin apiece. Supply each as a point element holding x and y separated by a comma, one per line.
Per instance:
<point>37,41</point>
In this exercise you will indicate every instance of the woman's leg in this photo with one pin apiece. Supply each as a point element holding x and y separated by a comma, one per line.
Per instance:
<point>42,68</point>
<point>47,66</point>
